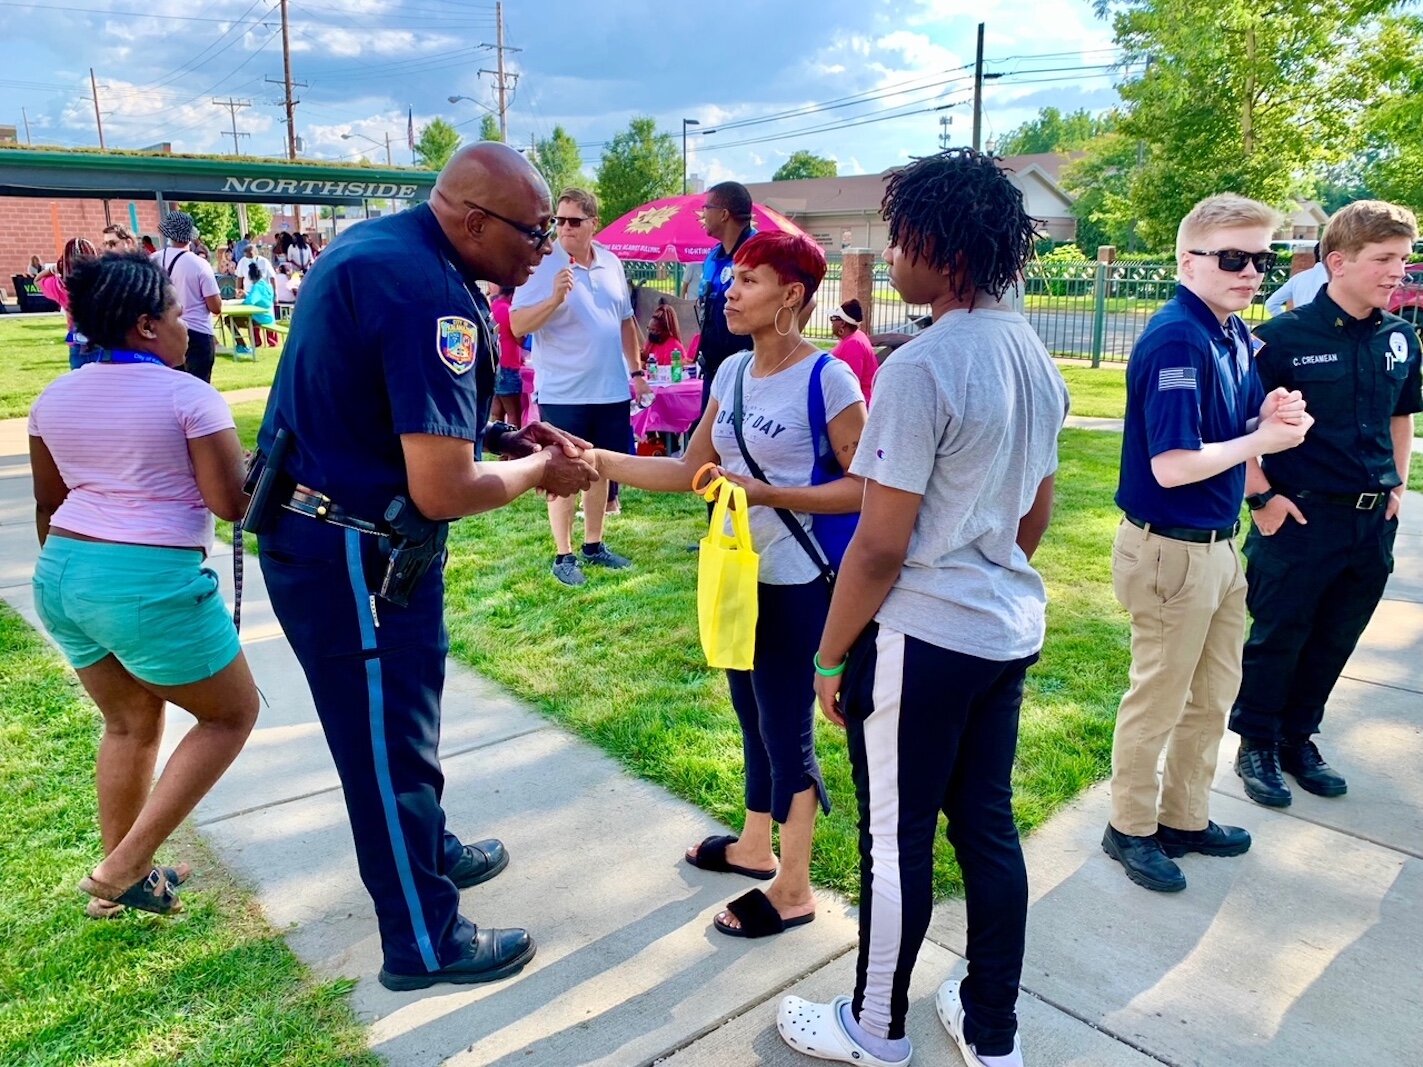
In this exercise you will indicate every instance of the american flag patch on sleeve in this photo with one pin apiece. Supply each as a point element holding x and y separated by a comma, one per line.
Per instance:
<point>1176,378</point>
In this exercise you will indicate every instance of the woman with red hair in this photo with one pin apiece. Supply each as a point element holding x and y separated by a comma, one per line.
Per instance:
<point>782,422</point>
<point>52,283</point>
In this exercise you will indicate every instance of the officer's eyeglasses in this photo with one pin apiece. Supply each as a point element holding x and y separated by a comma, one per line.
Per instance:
<point>571,221</point>
<point>538,235</point>
<point>1233,261</point>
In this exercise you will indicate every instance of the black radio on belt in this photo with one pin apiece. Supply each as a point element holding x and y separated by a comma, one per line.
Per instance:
<point>415,543</point>
<point>263,478</point>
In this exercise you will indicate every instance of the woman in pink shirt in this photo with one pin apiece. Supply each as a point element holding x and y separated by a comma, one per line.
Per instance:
<point>664,338</point>
<point>52,284</point>
<point>854,347</point>
<point>508,383</point>
<point>131,459</point>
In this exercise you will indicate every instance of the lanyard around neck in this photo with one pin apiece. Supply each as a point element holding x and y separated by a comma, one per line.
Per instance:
<point>124,355</point>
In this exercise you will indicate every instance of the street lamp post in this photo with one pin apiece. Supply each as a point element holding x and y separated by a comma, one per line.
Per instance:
<point>685,124</point>
<point>389,160</point>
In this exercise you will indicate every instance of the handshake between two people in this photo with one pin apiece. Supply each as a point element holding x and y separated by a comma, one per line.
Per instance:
<point>569,466</point>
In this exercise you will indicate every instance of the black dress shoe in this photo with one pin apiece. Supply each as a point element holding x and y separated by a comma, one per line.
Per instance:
<point>1212,841</point>
<point>492,955</point>
<point>1258,764</point>
<point>481,861</point>
<point>1143,860</point>
<point>1302,759</point>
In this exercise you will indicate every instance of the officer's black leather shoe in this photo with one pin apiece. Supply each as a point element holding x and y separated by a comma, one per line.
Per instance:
<point>481,861</point>
<point>492,955</point>
<point>1143,860</point>
<point>1212,841</point>
<point>1258,764</point>
<point>1302,759</point>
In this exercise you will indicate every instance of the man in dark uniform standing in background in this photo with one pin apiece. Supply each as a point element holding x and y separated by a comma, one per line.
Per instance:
<point>726,216</point>
<point>1326,513</point>
<point>380,399</point>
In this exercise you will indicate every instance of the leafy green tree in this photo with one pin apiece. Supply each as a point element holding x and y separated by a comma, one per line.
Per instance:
<point>214,221</point>
<point>1239,97</point>
<point>1100,186</point>
<point>489,128</point>
<point>259,219</point>
<point>1052,131</point>
<point>559,161</point>
<point>1392,165</point>
<point>803,164</point>
<point>638,165</point>
<point>436,143</point>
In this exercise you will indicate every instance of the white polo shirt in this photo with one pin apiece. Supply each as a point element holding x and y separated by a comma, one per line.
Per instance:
<point>578,353</point>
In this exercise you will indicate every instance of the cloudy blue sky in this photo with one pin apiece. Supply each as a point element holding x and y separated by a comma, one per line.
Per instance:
<point>738,66</point>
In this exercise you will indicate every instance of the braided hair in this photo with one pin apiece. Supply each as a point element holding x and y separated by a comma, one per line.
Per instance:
<point>957,211</point>
<point>75,249</point>
<point>108,294</point>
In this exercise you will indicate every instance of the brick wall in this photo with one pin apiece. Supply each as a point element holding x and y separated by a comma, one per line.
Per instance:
<point>35,226</point>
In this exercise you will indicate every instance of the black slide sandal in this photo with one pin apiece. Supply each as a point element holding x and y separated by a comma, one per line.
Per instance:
<point>711,856</point>
<point>758,917</point>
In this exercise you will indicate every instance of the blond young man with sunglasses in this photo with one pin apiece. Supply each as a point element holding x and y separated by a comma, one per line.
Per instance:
<point>1195,414</point>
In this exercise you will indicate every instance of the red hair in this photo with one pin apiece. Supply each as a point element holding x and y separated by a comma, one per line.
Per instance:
<point>793,256</point>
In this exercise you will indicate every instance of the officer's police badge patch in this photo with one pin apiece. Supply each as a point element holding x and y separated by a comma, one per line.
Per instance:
<point>456,342</point>
<point>1397,351</point>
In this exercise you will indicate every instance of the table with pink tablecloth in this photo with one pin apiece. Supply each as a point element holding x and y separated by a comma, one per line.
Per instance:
<point>675,405</point>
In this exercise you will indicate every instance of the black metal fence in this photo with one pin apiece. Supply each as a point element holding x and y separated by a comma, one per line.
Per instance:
<point>1081,309</point>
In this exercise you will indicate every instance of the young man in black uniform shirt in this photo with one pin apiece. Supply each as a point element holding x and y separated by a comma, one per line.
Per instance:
<point>1326,513</point>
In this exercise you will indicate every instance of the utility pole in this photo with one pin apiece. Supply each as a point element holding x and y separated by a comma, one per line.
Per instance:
<point>977,91</point>
<point>98,119</point>
<point>945,138</point>
<point>503,83</point>
<point>287,80</point>
<point>389,159</point>
<point>233,106</point>
<point>27,125</point>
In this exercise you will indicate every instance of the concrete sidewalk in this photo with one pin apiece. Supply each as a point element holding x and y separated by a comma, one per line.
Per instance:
<point>1302,952</point>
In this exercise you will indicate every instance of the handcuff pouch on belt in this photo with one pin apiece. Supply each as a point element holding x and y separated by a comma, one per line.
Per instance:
<point>415,544</point>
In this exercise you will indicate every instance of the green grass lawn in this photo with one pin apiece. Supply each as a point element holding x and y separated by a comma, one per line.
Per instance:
<point>33,354</point>
<point>214,985</point>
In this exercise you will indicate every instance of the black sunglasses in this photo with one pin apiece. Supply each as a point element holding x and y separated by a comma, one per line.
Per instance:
<point>571,221</point>
<point>540,236</point>
<point>1233,261</point>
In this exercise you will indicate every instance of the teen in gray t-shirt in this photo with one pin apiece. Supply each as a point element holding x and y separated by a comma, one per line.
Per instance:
<point>951,422</point>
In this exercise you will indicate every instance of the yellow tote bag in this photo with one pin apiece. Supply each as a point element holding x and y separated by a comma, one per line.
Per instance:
<point>726,583</point>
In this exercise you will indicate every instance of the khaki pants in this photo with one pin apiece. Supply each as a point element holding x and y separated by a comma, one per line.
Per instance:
<point>1187,605</point>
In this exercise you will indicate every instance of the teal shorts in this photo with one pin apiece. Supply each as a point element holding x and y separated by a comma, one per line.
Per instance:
<point>156,610</point>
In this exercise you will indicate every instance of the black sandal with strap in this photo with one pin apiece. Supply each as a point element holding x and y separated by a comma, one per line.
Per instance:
<point>154,892</point>
<point>758,917</point>
<point>711,856</point>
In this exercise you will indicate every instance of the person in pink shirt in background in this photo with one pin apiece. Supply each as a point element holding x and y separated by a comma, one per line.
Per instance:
<point>52,284</point>
<point>854,346</point>
<point>508,384</point>
<point>664,338</point>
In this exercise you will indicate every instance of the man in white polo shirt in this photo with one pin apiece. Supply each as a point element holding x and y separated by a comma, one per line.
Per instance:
<point>579,311</point>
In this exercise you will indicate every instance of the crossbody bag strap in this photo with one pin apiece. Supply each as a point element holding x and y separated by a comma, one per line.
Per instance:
<point>792,523</point>
<point>168,266</point>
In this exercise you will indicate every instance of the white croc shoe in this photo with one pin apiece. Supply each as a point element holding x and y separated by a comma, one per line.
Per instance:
<point>950,1009</point>
<point>816,1030</point>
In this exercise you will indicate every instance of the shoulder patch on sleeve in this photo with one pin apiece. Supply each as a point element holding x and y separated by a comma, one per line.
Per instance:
<point>1176,378</point>
<point>456,343</point>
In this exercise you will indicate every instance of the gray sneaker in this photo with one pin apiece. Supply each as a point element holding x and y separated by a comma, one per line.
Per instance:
<point>569,572</point>
<point>604,558</point>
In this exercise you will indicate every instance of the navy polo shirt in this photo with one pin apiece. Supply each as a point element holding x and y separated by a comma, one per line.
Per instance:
<point>391,336</point>
<point>718,341</point>
<point>1190,382</point>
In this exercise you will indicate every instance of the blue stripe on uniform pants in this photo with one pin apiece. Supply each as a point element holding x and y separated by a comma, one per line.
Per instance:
<point>930,729</point>
<point>365,614</point>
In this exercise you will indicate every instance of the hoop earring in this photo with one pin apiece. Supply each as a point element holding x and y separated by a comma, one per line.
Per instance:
<point>777,321</point>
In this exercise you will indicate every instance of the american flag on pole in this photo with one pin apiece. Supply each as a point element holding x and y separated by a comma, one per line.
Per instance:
<point>1176,378</point>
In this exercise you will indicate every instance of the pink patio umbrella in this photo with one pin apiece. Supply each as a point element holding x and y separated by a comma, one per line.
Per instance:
<point>669,230</point>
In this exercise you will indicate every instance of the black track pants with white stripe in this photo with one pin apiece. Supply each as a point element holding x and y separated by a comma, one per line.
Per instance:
<point>934,730</point>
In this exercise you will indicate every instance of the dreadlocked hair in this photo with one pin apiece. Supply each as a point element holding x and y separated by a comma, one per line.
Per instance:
<point>957,210</point>
<point>108,294</point>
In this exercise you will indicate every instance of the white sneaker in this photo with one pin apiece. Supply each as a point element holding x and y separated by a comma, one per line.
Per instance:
<point>950,1009</point>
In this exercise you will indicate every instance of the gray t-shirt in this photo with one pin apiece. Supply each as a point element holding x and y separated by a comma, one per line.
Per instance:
<point>776,425</point>
<point>967,414</point>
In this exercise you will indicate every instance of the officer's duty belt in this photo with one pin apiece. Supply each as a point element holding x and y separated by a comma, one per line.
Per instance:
<point>316,505</point>
<point>1357,501</point>
<point>1182,533</point>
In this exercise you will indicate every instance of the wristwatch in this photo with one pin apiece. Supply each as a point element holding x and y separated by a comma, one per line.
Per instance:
<point>495,433</point>
<point>1256,501</point>
<point>637,374</point>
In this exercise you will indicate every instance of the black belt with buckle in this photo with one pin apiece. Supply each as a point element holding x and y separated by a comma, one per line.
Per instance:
<point>1182,533</point>
<point>1357,501</point>
<point>316,505</point>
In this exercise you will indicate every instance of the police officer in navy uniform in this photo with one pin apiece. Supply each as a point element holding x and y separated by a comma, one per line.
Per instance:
<point>379,403</point>
<point>1326,514</point>
<point>726,215</point>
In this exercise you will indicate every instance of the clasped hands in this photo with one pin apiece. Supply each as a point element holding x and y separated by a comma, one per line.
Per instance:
<point>1283,424</point>
<point>569,467</point>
